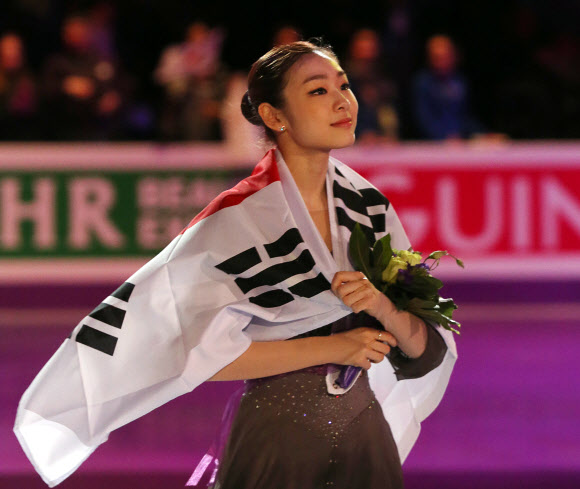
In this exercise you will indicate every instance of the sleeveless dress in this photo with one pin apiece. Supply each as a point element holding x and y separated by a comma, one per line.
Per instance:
<point>289,433</point>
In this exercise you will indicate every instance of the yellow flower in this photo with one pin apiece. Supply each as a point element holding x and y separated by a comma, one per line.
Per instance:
<point>410,257</point>
<point>390,273</point>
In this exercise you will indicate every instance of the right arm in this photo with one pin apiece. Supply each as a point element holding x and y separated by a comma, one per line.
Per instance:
<point>359,347</point>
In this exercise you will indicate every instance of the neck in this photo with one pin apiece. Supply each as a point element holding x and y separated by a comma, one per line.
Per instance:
<point>308,168</point>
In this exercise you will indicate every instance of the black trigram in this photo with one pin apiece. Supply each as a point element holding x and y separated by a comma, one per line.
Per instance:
<point>276,274</point>
<point>359,201</point>
<point>108,314</point>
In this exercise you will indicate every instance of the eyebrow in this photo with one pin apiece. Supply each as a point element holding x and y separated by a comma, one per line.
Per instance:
<point>322,77</point>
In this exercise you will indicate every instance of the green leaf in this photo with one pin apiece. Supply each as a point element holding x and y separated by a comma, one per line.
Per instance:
<point>423,285</point>
<point>447,325</point>
<point>443,321</point>
<point>382,254</point>
<point>430,310</point>
<point>386,244</point>
<point>437,255</point>
<point>421,304</point>
<point>359,250</point>
<point>446,307</point>
<point>376,265</point>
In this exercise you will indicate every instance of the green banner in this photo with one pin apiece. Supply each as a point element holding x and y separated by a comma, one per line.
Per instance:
<point>70,214</point>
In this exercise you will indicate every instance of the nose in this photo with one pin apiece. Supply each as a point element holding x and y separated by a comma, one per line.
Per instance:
<point>342,101</point>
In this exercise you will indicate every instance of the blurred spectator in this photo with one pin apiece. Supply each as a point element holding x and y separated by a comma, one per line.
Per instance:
<point>400,47</point>
<point>399,38</point>
<point>285,35</point>
<point>375,91</point>
<point>18,99</point>
<point>84,94</point>
<point>560,59</point>
<point>523,57</point>
<point>101,18</point>
<point>138,119</point>
<point>539,96</point>
<point>524,100</point>
<point>441,95</point>
<point>194,82</point>
<point>239,135</point>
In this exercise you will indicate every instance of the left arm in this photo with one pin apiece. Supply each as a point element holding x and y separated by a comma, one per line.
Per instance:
<point>358,293</point>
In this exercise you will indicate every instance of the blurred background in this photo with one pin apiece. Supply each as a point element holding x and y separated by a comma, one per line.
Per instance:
<point>119,121</point>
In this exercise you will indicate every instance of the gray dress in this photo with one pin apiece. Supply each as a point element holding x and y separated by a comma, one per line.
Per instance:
<point>289,433</point>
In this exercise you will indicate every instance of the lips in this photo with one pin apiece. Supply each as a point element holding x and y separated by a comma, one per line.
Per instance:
<point>346,122</point>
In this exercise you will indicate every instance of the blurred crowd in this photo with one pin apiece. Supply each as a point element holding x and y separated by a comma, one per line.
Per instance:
<point>143,70</point>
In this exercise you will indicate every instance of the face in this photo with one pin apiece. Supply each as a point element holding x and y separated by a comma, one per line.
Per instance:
<point>441,55</point>
<point>320,111</point>
<point>365,45</point>
<point>77,34</point>
<point>197,32</point>
<point>10,52</point>
<point>286,35</point>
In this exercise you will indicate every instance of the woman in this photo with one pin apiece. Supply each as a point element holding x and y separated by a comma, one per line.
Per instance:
<point>290,432</point>
<point>252,289</point>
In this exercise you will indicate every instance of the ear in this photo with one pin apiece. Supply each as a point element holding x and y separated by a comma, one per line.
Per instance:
<point>272,117</point>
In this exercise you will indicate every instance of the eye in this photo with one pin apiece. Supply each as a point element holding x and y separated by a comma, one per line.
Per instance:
<point>318,91</point>
<point>345,86</point>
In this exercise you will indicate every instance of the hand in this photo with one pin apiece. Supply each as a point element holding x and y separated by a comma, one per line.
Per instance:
<point>358,293</point>
<point>361,347</point>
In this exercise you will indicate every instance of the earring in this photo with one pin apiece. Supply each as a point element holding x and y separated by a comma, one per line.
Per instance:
<point>283,128</point>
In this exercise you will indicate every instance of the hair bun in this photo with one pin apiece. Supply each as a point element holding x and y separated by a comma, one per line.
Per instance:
<point>250,111</point>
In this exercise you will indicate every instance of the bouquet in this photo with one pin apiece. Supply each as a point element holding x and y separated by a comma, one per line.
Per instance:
<point>404,276</point>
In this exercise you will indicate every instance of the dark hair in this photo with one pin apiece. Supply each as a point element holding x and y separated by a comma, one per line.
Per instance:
<point>267,77</point>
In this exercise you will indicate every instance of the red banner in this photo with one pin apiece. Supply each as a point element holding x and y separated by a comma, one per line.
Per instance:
<point>503,211</point>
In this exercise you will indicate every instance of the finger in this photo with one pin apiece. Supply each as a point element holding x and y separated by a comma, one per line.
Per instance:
<point>381,347</point>
<point>388,338</point>
<point>375,356</point>
<point>356,295</point>
<point>382,337</point>
<point>361,291</point>
<point>347,287</point>
<point>341,277</point>
<point>392,341</point>
<point>358,301</point>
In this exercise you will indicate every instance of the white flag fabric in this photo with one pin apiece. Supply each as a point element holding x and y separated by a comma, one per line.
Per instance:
<point>250,267</point>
